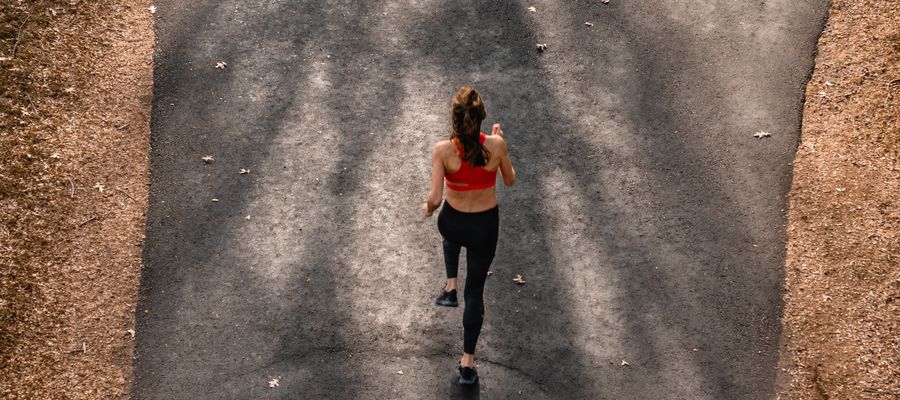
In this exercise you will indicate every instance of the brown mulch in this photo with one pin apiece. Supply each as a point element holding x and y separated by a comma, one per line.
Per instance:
<point>75,91</point>
<point>842,301</point>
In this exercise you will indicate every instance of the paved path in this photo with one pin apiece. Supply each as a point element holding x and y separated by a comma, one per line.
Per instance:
<point>647,221</point>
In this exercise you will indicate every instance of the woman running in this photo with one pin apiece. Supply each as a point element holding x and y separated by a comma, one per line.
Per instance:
<point>468,163</point>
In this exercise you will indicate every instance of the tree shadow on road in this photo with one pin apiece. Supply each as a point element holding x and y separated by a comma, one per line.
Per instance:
<point>687,307</point>
<point>631,238</point>
<point>220,289</point>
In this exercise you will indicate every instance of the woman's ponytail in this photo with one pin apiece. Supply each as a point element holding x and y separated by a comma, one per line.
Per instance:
<point>466,115</point>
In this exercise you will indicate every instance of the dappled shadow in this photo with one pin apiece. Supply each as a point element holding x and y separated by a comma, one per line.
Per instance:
<point>691,275</point>
<point>637,242</point>
<point>220,287</point>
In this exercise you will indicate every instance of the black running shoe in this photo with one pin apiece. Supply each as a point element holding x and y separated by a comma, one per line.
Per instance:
<point>467,376</point>
<point>447,299</point>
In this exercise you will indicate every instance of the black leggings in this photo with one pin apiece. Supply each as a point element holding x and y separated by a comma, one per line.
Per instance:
<point>478,233</point>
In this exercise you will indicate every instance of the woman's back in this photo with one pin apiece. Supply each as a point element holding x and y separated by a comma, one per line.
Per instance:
<point>472,200</point>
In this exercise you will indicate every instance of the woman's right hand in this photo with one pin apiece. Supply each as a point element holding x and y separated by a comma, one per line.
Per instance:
<point>495,130</point>
<point>427,211</point>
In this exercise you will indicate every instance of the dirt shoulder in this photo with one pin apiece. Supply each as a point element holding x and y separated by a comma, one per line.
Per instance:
<point>74,129</point>
<point>842,301</point>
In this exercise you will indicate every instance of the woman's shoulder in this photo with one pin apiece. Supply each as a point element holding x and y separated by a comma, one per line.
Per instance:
<point>444,146</point>
<point>494,142</point>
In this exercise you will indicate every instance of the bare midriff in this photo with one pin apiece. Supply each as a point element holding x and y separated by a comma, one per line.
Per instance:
<point>473,200</point>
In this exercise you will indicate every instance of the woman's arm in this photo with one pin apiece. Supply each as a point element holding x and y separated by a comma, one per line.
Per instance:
<point>506,168</point>
<point>437,183</point>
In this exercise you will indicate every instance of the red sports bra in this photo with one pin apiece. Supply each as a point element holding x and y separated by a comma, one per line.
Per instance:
<point>473,178</point>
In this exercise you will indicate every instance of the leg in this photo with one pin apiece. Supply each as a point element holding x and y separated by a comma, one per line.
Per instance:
<point>451,263</point>
<point>478,264</point>
<point>478,260</point>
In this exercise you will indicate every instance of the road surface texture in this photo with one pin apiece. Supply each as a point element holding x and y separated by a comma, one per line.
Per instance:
<point>647,220</point>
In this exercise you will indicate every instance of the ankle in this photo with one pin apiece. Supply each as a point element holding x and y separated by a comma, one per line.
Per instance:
<point>467,360</point>
<point>450,285</point>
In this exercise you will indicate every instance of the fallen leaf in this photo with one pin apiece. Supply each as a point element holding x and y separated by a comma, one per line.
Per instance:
<point>519,279</point>
<point>221,64</point>
<point>532,9</point>
<point>541,46</point>
<point>624,363</point>
<point>207,159</point>
<point>244,171</point>
<point>273,383</point>
<point>588,24</point>
<point>761,134</point>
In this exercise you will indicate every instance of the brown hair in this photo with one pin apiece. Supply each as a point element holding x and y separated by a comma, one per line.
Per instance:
<point>466,114</point>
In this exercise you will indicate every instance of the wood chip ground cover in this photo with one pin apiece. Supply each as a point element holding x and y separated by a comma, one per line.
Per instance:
<point>74,119</point>
<point>842,301</point>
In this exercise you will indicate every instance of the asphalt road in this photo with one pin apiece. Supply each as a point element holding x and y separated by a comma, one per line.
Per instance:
<point>647,221</point>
